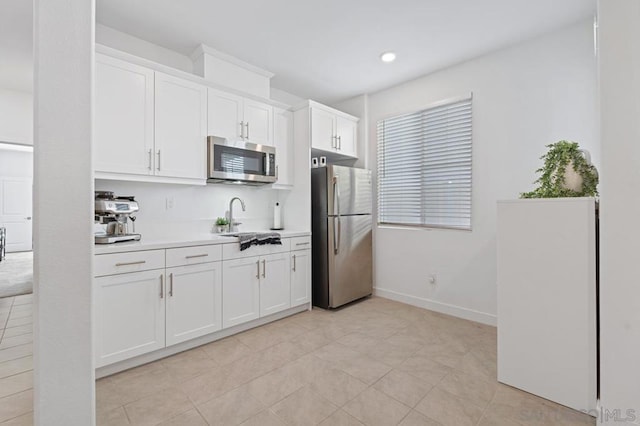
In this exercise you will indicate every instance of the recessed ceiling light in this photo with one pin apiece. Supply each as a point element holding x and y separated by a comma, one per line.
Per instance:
<point>388,57</point>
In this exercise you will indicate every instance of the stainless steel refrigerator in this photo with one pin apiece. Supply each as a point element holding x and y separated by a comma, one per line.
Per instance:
<point>341,235</point>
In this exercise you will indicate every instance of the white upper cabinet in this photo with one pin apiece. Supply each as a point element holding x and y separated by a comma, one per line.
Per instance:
<point>225,115</point>
<point>347,136</point>
<point>323,125</point>
<point>180,127</point>
<point>332,131</point>
<point>124,100</point>
<point>258,118</point>
<point>235,117</point>
<point>283,140</point>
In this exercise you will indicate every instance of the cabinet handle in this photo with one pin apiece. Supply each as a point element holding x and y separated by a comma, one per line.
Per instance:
<point>158,167</point>
<point>242,130</point>
<point>294,263</point>
<point>264,269</point>
<point>247,130</point>
<point>339,138</point>
<point>258,265</point>
<point>196,255</point>
<point>161,286</point>
<point>150,159</point>
<point>171,284</point>
<point>303,244</point>
<point>139,262</point>
<point>276,172</point>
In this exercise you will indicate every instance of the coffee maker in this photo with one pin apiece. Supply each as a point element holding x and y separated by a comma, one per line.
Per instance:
<point>115,212</point>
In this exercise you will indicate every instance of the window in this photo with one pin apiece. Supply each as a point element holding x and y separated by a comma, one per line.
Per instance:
<point>424,167</point>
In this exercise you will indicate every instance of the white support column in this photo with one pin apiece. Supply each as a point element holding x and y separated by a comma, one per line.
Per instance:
<point>619,62</point>
<point>63,206</point>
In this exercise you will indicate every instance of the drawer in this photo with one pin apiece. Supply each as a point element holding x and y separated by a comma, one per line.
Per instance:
<point>193,255</point>
<point>232,251</point>
<point>301,243</point>
<point>121,263</point>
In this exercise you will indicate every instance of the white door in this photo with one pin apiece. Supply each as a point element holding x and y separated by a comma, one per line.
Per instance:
<point>347,131</point>
<point>194,301</point>
<point>275,287</point>
<point>300,277</point>
<point>283,141</point>
<point>16,212</point>
<point>224,114</point>
<point>240,291</point>
<point>322,130</point>
<point>123,135</point>
<point>129,315</point>
<point>259,122</point>
<point>180,128</point>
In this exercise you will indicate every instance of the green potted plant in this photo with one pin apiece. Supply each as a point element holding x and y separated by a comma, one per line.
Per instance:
<point>222,224</point>
<point>567,172</point>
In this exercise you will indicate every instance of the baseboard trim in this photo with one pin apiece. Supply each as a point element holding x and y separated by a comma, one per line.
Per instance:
<point>443,308</point>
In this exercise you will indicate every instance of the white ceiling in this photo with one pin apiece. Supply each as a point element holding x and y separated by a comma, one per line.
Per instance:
<point>326,50</point>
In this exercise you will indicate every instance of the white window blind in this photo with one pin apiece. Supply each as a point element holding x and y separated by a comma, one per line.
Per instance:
<point>424,167</point>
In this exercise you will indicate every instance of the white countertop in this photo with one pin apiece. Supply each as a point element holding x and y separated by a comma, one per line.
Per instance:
<point>171,241</point>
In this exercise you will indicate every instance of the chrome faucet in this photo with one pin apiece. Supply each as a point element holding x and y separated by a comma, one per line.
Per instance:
<point>233,225</point>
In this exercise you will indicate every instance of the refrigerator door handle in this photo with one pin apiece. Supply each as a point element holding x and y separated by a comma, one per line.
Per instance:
<point>336,202</point>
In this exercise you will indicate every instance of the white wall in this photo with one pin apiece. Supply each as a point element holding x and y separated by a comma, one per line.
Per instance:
<point>16,161</point>
<point>524,97</point>
<point>619,60</point>
<point>195,207</point>
<point>16,116</point>
<point>136,46</point>
<point>63,362</point>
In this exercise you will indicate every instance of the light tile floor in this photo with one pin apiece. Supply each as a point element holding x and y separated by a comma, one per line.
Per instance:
<point>376,362</point>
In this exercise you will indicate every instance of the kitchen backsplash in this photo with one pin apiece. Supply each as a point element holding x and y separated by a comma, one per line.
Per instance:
<point>168,210</point>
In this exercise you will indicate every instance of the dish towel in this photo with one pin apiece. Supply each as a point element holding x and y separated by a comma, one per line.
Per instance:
<point>248,239</point>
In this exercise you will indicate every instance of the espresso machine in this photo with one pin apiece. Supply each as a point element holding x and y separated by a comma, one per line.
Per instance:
<point>115,212</point>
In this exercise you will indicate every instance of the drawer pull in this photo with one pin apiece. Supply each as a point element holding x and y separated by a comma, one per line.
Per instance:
<point>193,256</point>
<point>139,262</point>
<point>302,244</point>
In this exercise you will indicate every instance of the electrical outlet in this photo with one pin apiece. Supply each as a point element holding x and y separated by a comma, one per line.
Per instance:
<point>432,279</point>
<point>169,203</point>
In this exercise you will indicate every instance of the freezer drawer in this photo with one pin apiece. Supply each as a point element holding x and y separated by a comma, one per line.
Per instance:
<point>349,259</point>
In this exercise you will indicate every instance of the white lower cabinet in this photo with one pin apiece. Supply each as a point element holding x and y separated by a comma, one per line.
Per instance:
<point>152,299</point>
<point>275,287</point>
<point>240,290</point>
<point>300,277</point>
<point>129,316</point>
<point>193,301</point>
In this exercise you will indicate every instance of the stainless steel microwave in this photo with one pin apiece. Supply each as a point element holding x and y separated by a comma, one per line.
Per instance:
<point>240,162</point>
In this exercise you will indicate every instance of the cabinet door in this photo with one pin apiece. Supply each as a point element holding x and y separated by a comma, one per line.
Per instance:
<point>224,115</point>
<point>258,118</point>
<point>322,129</point>
<point>347,131</point>
<point>300,277</point>
<point>129,316</point>
<point>240,291</point>
<point>275,284</point>
<point>180,128</point>
<point>194,301</point>
<point>123,136</point>
<point>283,141</point>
